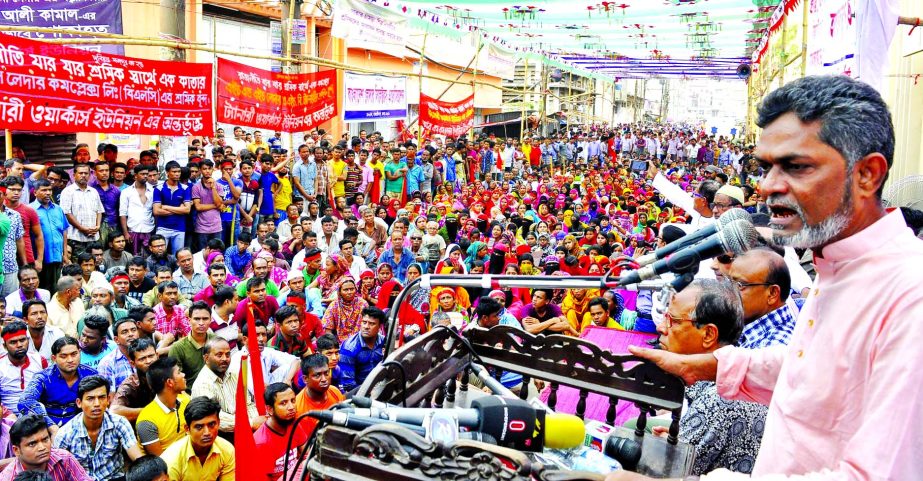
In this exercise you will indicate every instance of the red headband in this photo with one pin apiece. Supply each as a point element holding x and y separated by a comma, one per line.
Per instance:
<point>119,276</point>
<point>312,257</point>
<point>295,300</point>
<point>10,335</point>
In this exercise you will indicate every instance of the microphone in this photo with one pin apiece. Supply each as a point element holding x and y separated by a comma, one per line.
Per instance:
<point>343,417</point>
<point>511,421</point>
<point>737,236</point>
<point>695,237</point>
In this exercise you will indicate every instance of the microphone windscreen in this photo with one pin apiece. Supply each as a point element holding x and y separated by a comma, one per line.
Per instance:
<point>738,236</point>
<point>734,214</point>
<point>563,431</point>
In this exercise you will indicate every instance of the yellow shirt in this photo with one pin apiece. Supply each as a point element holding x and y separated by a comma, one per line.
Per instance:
<point>253,146</point>
<point>65,318</point>
<point>339,170</point>
<point>611,323</point>
<point>184,465</point>
<point>157,422</point>
<point>282,197</point>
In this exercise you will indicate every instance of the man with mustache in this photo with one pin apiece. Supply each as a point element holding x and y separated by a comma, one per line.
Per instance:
<point>215,382</point>
<point>19,365</point>
<point>96,437</point>
<point>843,393</point>
<point>184,457</point>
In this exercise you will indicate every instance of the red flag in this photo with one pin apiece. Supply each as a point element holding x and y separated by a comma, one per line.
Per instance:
<point>256,368</point>
<point>247,466</point>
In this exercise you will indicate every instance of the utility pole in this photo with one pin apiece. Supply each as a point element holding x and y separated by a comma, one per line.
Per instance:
<point>541,118</point>
<point>173,26</point>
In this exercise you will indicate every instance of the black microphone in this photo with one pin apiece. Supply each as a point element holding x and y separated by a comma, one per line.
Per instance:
<point>624,450</point>
<point>695,237</point>
<point>343,417</point>
<point>737,237</point>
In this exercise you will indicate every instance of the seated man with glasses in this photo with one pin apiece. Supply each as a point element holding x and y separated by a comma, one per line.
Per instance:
<point>764,283</point>
<point>702,318</point>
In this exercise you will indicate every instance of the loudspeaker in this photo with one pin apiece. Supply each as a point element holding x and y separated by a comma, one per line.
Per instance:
<point>743,71</point>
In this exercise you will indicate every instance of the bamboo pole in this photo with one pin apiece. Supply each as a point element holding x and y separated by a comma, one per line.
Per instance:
<point>522,118</point>
<point>420,84</point>
<point>8,137</point>
<point>114,39</point>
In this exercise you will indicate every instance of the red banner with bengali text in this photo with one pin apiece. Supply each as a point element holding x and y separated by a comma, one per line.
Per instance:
<point>452,119</point>
<point>53,88</point>
<point>262,99</point>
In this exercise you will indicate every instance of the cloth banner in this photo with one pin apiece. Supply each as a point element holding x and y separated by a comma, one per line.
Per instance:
<point>55,88</point>
<point>498,62</point>
<point>374,97</point>
<point>831,37</point>
<point>92,16</point>
<point>370,27</point>
<point>253,97</point>
<point>451,119</point>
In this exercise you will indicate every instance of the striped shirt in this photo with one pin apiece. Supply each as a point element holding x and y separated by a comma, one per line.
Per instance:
<point>224,391</point>
<point>62,466</point>
<point>84,205</point>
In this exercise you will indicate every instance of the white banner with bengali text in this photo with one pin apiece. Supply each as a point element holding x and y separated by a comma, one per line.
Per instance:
<point>370,27</point>
<point>368,98</point>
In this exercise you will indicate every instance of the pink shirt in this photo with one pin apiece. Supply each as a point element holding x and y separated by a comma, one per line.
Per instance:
<point>847,392</point>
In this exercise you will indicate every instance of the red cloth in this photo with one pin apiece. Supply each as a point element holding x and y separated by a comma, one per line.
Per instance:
<point>248,465</point>
<point>272,446</point>
<point>535,156</point>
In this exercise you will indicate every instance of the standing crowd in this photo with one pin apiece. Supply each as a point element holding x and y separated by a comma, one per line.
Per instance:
<point>130,289</point>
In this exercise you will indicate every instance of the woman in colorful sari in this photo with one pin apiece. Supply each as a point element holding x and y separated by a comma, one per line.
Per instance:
<point>447,306</point>
<point>366,285</point>
<point>477,251</point>
<point>383,274</point>
<point>276,273</point>
<point>345,312</point>
<point>335,270</point>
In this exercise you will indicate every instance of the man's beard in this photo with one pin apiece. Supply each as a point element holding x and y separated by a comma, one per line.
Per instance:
<point>811,236</point>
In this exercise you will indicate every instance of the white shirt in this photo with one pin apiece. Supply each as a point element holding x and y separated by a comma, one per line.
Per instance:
<point>14,379</point>
<point>14,301</point>
<point>275,364</point>
<point>52,334</point>
<point>237,145</point>
<point>139,217</point>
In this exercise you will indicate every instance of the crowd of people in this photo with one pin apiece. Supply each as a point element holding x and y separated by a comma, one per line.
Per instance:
<point>130,290</point>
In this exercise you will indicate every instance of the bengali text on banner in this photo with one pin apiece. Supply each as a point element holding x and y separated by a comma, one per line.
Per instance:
<point>90,16</point>
<point>54,88</point>
<point>262,99</point>
<point>451,119</point>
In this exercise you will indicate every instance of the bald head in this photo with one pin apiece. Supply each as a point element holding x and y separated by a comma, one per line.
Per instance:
<point>763,279</point>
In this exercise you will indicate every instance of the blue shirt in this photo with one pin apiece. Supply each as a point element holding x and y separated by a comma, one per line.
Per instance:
<point>357,360</point>
<point>266,182</point>
<point>173,198</point>
<point>48,395</point>
<point>770,330</point>
<point>224,189</point>
<point>104,460</point>
<point>306,173</point>
<point>53,225</point>
<point>449,162</point>
<point>116,368</point>
<point>237,261</point>
<point>414,179</point>
<point>400,270</point>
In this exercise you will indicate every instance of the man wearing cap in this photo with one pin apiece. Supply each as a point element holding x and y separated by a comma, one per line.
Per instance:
<point>727,198</point>
<point>120,286</point>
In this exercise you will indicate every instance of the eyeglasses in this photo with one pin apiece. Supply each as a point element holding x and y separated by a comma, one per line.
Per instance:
<point>725,258</point>
<point>743,285</point>
<point>722,205</point>
<point>671,321</point>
